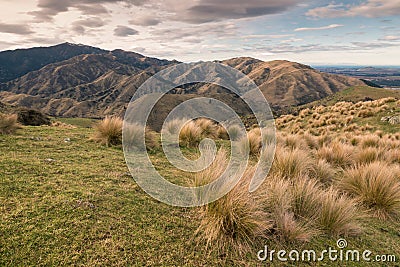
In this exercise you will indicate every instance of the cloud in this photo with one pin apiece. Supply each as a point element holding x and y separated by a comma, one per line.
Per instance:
<point>332,26</point>
<point>80,26</point>
<point>203,31</point>
<point>124,31</point>
<point>145,20</point>
<point>390,38</point>
<point>50,8</point>
<point>210,10</point>
<point>21,29</point>
<point>370,8</point>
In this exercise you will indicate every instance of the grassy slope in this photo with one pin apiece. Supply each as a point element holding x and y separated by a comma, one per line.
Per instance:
<point>82,209</point>
<point>355,94</point>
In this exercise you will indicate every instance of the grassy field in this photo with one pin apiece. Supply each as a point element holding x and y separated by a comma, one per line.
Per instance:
<point>66,200</point>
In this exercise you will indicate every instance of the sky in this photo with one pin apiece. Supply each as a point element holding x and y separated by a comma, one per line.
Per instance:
<point>363,32</point>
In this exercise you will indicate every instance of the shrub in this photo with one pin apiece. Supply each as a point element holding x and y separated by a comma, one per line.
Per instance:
<point>32,117</point>
<point>8,123</point>
<point>108,131</point>
<point>375,186</point>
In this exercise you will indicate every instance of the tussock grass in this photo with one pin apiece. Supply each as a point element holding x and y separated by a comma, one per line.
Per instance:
<point>337,214</point>
<point>190,135</point>
<point>368,155</point>
<point>338,154</point>
<point>236,219</point>
<point>8,123</point>
<point>234,132</point>
<point>208,128</point>
<point>173,126</point>
<point>375,186</point>
<point>108,131</point>
<point>291,164</point>
<point>323,172</point>
<point>251,143</point>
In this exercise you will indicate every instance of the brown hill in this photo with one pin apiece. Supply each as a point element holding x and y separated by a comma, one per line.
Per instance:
<point>95,85</point>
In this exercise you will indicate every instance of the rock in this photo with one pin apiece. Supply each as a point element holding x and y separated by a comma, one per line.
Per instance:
<point>385,119</point>
<point>394,119</point>
<point>50,160</point>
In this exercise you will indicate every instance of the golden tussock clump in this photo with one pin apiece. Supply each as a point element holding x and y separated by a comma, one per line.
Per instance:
<point>235,220</point>
<point>8,123</point>
<point>375,186</point>
<point>108,131</point>
<point>190,135</point>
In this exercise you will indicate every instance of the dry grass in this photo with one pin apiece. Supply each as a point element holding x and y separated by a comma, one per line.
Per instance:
<point>236,219</point>
<point>208,128</point>
<point>337,214</point>
<point>108,131</point>
<point>323,172</point>
<point>376,186</point>
<point>173,126</point>
<point>291,164</point>
<point>338,154</point>
<point>190,135</point>
<point>8,123</point>
<point>252,143</point>
<point>234,132</point>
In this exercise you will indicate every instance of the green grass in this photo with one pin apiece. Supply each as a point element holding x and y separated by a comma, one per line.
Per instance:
<point>81,208</point>
<point>79,122</point>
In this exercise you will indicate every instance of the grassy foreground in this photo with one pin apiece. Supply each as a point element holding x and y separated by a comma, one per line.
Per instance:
<point>71,202</point>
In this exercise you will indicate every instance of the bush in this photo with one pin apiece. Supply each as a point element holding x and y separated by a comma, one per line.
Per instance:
<point>375,186</point>
<point>31,117</point>
<point>109,131</point>
<point>8,123</point>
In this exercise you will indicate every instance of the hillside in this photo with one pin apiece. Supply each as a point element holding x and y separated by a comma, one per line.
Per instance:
<point>16,63</point>
<point>102,82</point>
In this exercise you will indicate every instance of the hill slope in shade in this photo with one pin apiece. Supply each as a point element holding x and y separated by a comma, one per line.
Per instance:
<point>15,63</point>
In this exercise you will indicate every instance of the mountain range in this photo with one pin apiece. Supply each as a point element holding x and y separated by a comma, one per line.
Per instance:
<point>72,80</point>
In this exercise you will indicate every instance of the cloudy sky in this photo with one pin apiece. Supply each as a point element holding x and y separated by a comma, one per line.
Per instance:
<point>363,32</point>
